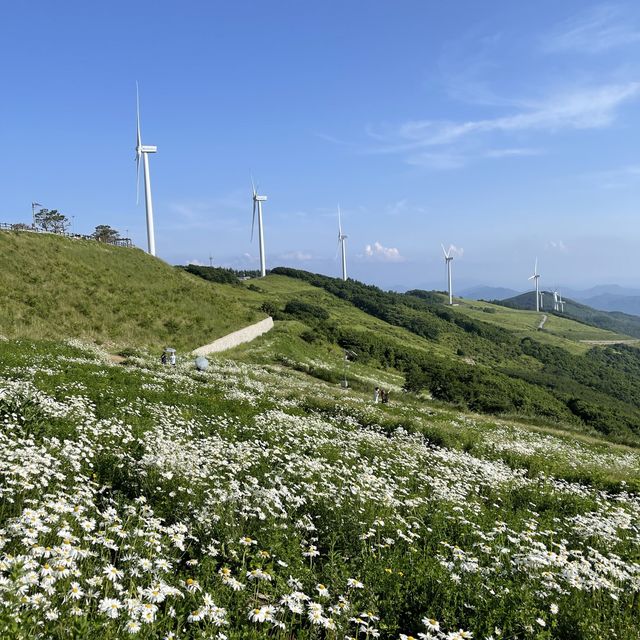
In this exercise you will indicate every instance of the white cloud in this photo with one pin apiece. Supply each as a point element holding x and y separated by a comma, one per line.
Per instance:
<point>514,152</point>
<point>376,251</point>
<point>620,178</point>
<point>299,256</point>
<point>595,30</point>
<point>436,144</point>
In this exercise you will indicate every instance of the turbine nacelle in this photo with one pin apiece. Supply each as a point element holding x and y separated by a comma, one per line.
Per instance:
<point>147,148</point>
<point>258,198</point>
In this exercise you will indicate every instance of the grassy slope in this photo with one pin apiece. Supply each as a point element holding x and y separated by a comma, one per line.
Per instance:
<point>558,331</point>
<point>54,287</point>
<point>623,323</point>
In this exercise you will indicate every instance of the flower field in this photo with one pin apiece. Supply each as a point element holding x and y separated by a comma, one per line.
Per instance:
<point>251,501</point>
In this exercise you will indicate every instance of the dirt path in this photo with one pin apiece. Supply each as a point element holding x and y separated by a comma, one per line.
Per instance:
<point>541,325</point>
<point>605,342</point>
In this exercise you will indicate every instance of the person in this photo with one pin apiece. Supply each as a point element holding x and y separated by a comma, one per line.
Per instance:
<point>385,397</point>
<point>172,358</point>
<point>376,395</point>
<point>163,357</point>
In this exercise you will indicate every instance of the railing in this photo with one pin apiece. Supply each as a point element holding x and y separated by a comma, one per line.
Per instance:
<point>118,242</point>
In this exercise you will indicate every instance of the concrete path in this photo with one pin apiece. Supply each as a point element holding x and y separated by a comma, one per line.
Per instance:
<point>236,338</point>
<point>541,325</point>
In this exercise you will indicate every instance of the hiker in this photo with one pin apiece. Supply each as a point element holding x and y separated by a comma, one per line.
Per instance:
<point>376,395</point>
<point>172,358</point>
<point>385,396</point>
<point>163,358</point>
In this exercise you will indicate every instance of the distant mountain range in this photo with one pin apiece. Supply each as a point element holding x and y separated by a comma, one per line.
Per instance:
<point>488,293</point>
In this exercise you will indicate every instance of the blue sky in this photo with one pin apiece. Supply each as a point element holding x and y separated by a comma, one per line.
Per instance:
<point>507,129</point>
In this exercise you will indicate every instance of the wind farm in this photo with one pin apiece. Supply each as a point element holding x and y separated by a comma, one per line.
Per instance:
<point>355,412</point>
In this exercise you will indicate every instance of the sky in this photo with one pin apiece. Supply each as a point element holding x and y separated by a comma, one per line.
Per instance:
<point>506,129</point>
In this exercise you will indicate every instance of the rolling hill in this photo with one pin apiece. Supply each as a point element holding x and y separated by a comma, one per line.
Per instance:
<point>263,498</point>
<point>617,321</point>
<point>57,287</point>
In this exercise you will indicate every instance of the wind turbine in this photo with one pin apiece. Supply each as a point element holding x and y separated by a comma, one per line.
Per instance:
<point>536,278</point>
<point>341,241</point>
<point>143,151</point>
<point>556,304</point>
<point>448,258</point>
<point>257,204</point>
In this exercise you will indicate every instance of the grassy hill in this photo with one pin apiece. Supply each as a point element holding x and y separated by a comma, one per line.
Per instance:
<point>615,321</point>
<point>260,498</point>
<point>56,287</point>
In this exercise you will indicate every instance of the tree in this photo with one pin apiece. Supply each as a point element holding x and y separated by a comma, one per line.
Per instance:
<point>20,226</point>
<point>104,233</point>
<point>51,220</point>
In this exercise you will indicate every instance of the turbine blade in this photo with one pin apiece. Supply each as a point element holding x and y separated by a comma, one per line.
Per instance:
<point>138,136</point>
<point>446,254</point>
<point>137,178</point>
<point>138,144</point>
<point>339,223</point>
<point>253,187</point>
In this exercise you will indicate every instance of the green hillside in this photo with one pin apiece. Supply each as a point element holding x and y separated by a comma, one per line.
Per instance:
<point>56,287</point>
<point>615,321</point>
<point>261,498</point>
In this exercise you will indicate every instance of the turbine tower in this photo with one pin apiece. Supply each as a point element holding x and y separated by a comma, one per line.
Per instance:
<point>342,242</point>
<point>143,151</point>
<point>448,258</point>
<point>257,204</point>
<point>536,278</point>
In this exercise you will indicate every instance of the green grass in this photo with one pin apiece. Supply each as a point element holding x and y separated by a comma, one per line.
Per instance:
<point>56,287</point>
<point>557,331</point>
<point>438,514</point>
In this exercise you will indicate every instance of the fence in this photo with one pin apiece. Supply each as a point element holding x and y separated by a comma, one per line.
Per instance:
<point>118,242</point>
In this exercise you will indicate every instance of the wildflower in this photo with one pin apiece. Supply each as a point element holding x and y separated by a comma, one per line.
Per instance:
<point>110,607</point>
<point>192,585</point>
<point>354,584</point>
<point>323,592</point>
<point>247,542</point>
<point>263,614</point>
<point>112,573</point>
<point>133,626</point>
<point>554,608</point>
<point>541,622</point>
<point>75,592</point>
<point>431,624</point>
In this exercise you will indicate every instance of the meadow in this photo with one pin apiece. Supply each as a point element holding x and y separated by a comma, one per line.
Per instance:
<point>253,500</point>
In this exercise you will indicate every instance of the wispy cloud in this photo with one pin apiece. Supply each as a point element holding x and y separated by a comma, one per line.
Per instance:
<point>297,256</point>
<point>436,144</point>
<point>582,109</point>
<point>595,30</point>
<point>619,178</point>
<point>377,251</point>
<point>512,152</point>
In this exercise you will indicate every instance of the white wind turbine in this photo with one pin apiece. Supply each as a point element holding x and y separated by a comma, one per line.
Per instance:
<point>257,204</point>
<point>143,151</point>
<point>342,242</point>
<point>536,278</point>
<point>448,258</point>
